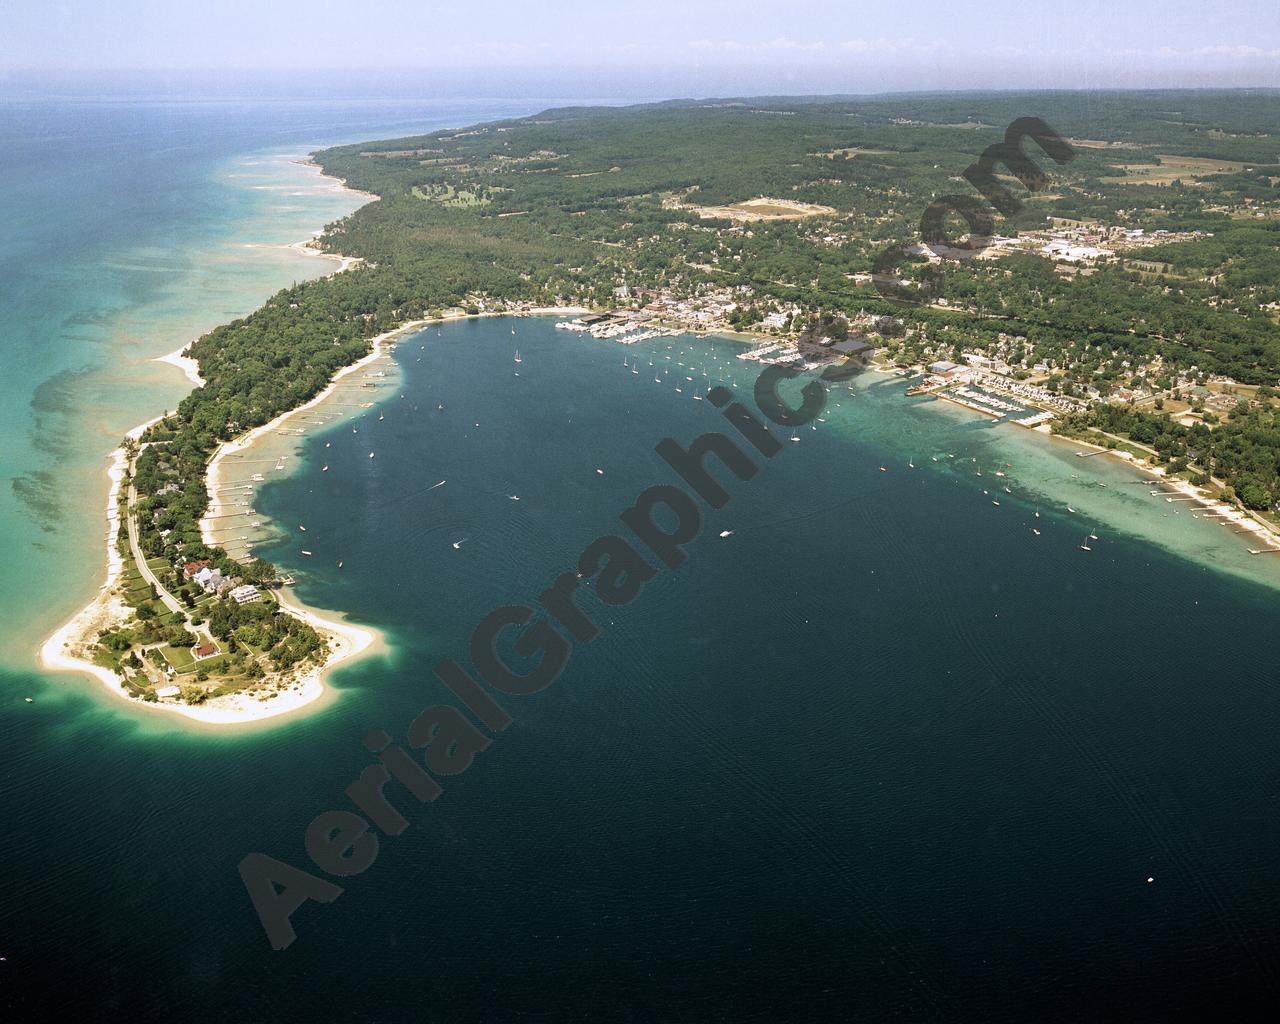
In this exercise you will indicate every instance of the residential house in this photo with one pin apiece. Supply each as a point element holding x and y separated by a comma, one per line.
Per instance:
<point>246,594</point>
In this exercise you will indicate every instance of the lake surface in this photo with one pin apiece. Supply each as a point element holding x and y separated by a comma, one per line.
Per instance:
<point>881,753</point>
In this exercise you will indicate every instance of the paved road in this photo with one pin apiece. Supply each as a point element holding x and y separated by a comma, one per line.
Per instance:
<point>170,602</point>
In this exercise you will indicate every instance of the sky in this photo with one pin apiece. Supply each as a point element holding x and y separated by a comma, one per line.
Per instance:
<point>654,49</point>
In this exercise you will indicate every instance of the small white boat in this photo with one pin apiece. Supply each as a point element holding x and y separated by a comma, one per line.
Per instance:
<point>726,533</point>
<point>325,469</point>
<point>371,455</point>
<point>302,528</point>
<point>1035,531</point>
<point>600,472</point>
<point>458,543</point>
<point>514,497</point>
<point>306,552</point>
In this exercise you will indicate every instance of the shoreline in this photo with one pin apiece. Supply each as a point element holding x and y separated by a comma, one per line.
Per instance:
<point>346,641</point>
<point>245,443</point>
<point>188,366</point>
<point>1223,511</point>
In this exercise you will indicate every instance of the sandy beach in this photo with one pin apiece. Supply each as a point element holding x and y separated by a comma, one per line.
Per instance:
<point>1219,509</point>
<point>189,367</point>
<point>69,648</point>
<point>242,444</point>
<point>62,650</point>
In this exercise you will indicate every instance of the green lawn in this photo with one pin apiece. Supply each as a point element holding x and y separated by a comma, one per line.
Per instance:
<point>179,657</point>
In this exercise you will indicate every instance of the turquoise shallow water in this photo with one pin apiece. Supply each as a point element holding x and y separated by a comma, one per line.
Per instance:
<point>882,753</point>
<point>126,230</point>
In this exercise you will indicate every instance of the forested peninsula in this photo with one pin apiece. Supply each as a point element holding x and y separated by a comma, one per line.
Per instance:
<point>1139,291</point>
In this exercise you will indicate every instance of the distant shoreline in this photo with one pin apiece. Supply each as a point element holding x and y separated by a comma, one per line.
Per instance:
<point>1224,511</point>
<point>62,649</point>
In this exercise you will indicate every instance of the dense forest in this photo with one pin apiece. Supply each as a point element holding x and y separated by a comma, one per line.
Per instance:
<point>569,204</point>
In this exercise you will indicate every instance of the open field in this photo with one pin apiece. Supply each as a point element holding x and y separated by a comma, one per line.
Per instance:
<point>849,152</point>
<point>1171,169</point>
<point>447,195</point>
<point>179,657</point>
<point>763,208</point>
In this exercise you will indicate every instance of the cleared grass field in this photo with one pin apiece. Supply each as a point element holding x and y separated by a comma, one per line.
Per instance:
<point>764,208</point>
<point>1171,169</point>
<point>852,151</point>
<point>179,657</point>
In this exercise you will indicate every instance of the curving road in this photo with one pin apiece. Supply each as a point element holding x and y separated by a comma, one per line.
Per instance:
<point>170,602</point>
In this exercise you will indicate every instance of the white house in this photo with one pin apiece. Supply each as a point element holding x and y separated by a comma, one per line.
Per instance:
<point>246,594</point>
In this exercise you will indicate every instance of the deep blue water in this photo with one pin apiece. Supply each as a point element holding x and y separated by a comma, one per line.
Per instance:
<point>879,754</point>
